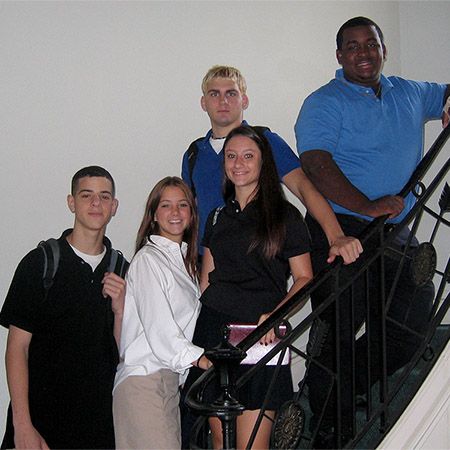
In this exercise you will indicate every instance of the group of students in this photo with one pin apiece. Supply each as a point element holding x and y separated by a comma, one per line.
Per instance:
<point>201,261</point>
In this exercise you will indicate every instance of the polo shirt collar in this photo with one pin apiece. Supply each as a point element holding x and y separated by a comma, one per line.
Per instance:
<point>386,85</point>
<point>250,211</point>
<point>68,254</point>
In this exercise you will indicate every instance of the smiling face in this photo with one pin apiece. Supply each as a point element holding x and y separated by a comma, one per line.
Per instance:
<point>243,163</point>
<point>173,214</point>
<point>93,203</point>
<point>362,55</point>
<point>224,103</point>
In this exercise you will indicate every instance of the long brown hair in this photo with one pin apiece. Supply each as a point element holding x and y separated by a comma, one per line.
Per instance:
<point>269,198</point>
<point>149,226</point>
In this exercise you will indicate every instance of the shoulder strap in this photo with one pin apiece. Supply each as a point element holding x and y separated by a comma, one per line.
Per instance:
<point>51,251</point>
<point>50,248</point>
<point>117,263</point>
<point>216,214</point>
<point>192,158</point>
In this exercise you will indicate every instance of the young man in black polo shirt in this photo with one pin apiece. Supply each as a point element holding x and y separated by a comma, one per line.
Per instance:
<point>61,353</point>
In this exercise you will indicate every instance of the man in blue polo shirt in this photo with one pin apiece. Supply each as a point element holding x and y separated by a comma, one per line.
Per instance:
<point>224,100</point>
<point>359,138</point>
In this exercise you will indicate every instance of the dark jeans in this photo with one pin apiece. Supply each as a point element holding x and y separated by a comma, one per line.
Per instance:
<point>410,306</point>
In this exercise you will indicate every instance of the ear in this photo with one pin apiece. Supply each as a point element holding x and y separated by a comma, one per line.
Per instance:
<point>384,52</point>
<point>115,205</point>
<point>339,56</point>
<point>71,203</point>
<point>245,101</point>
<point>203,103</point>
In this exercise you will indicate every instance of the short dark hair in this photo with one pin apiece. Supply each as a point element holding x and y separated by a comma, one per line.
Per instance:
<point>92,171</point>
<point>357,22</point>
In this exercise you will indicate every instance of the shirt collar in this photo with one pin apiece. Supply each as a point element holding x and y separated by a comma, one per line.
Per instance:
<point>169,245</point>
<point>250,211</point>
<point>386,85</point>
<point>209,133</point>
<point>63,240</point>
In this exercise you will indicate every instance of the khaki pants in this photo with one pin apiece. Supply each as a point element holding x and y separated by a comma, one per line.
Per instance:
<point>146,412</point>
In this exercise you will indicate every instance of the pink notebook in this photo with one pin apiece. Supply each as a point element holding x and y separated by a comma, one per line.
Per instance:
<point>239,331</point>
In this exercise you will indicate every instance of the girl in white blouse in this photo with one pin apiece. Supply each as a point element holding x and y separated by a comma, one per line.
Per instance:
<point>161,308</point>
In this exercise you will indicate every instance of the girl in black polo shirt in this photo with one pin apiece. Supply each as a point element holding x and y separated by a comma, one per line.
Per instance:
<point>251,247</point>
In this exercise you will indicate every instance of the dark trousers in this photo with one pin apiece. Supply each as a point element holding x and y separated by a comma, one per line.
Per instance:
<point>410,307</point>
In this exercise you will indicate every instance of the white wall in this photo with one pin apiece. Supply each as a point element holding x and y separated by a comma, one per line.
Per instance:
<point>118,84</point>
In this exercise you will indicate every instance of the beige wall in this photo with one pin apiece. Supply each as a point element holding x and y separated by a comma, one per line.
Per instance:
<point>118,84</point>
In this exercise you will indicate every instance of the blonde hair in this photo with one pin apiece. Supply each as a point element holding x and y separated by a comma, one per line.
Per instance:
<point>224,72</point>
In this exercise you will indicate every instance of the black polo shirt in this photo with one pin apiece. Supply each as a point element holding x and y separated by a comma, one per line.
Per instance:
<point>245,284</point>
<point>72,353</point>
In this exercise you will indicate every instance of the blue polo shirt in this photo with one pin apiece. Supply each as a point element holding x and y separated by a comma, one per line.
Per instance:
<point>208,172</point>
<point>376,142</point>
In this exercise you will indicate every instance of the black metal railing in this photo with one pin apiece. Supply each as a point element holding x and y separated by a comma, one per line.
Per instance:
<point>293,427</point>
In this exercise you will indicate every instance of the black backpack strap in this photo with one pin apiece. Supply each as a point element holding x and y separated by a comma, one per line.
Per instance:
<point>216,214</point>
<point>51,251</point>
<point>192,153</point>
<point>118,264</point>
<point>113,260</point>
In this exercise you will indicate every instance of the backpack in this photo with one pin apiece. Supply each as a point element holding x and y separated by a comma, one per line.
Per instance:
<point>117,263</point>
<point>192,153</point>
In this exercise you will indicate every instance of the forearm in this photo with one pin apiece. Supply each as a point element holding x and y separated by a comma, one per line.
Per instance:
<point>114,287</point>
<point>324,215</point>
<point>319,208</point>
<point>301,270</point>
<point>335,186</point>
<point>207,267</point>
<point>17,377</point>
<point>300,185</point>
<point>17,373</point>
<point>296,286</point>
<point>117,329</point>
<point>332,183</point>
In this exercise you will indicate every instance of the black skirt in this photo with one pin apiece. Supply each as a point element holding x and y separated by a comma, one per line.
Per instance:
<point>208,334</point>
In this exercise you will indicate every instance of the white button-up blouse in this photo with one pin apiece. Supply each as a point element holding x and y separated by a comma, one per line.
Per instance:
<point>161,308</point>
